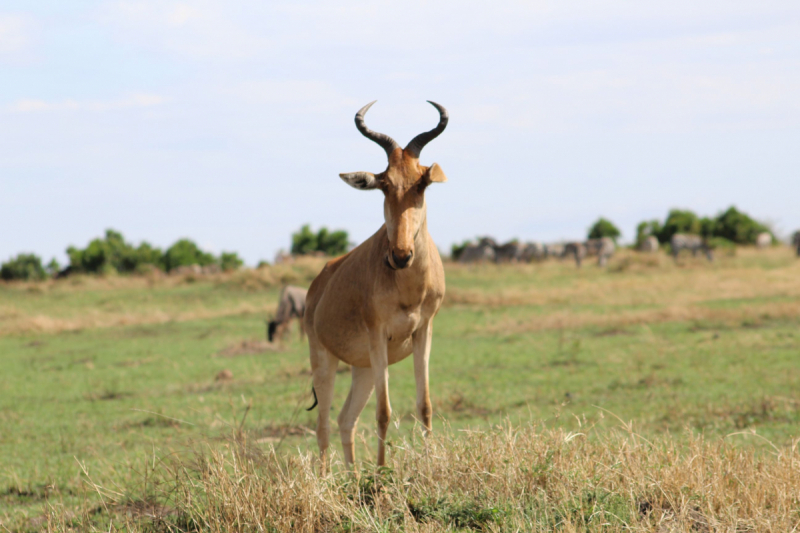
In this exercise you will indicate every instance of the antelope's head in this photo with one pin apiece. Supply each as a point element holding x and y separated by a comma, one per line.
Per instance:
<point>403,184</point>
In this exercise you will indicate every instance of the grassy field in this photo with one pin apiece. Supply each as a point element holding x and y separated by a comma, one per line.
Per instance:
<point>111,393</point>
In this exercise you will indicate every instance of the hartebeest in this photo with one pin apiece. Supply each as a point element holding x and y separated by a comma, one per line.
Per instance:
<point>375,305</point>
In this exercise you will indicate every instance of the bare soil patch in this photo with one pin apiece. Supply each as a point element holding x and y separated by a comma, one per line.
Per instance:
<point>247,347</point>
<point>277,432</point>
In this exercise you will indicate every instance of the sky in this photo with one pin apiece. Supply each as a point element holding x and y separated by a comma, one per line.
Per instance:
<point>229,122</point>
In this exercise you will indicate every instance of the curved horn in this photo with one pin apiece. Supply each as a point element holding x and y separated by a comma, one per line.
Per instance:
<point>418,143</point>
<point>387,143</point>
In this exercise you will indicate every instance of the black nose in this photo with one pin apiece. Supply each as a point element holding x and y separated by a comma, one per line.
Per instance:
<point>401,262</point>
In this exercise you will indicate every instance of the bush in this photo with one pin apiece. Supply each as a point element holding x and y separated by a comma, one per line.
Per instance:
<point>707,226</point>
<point>678,221</point>
<point>184,253</point>
<point>112,254</point>
<point>604,228</point>
<point>737,227</point>
<point>230,261</point>
<point>332,243</point>
<point>721,243</point>
<point>149,255</point>
<point>732,225</point>
<point>305,241</point>
<point>457,249</point>
<point>23,267</point>
<point>53,267</point>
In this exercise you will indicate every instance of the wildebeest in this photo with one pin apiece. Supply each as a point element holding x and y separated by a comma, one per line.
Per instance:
<point>510,252</point>
<point>576,250</point>
<point>533,251</point>
<point>693,243</point>
<point>796,242</point>
<point>649,244</point>
<point>292,304</point>
<point>603,248</point>
<point>764,240</point>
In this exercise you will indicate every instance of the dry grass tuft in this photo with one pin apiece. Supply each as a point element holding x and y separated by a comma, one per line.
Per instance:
<point>98,318</point>
<point>636,289</point>
<point>43,318</point>
<point>752,314</point>
<point>511,478</point>
<point>301,272</point>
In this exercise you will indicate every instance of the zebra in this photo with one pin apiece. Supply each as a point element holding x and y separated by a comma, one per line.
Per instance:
<point>533,251</point>
<point>682,241</point>
<point>510,252</point>
<point>477,253</point>
<point>554,250</point>
<point>575,249</point>
<point>649,244</point>
<point>764,240</point>
<point>603,248</point>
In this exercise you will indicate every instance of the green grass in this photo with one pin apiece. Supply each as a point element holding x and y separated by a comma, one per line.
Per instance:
<point>99,400</point>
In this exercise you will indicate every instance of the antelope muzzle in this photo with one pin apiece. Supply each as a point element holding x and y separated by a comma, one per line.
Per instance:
<point>401,259</point>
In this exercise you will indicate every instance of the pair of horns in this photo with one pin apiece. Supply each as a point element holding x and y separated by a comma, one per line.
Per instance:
<point>389,145</point>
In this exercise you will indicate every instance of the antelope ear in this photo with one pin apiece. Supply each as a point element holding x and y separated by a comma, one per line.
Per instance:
<point>361,180</point>
<point>435,174</point>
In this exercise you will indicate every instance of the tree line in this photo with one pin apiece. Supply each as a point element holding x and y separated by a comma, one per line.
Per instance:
<point>728,228</point>
<point>112,254</point>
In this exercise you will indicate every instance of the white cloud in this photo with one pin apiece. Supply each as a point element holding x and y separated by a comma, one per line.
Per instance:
<point>15,34</point>
<point>134,100</point>
<point>314,95</point>
<point>201,29</point>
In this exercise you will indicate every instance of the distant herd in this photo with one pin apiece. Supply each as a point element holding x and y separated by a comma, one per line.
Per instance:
<point>487,250</point>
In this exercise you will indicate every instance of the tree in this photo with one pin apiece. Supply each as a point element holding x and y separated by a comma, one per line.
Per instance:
<point>113,254</point>
<point>305,241</point>
<point>604,228</point>
<point>678,221</point>
<point>184,253</point>
<point>148,255</point>
<point>230,261</point>
<point>737,227</point>
<point>53,267</point>
<point>457,249</point>
<point>332,243</point>
<point>23,267</point>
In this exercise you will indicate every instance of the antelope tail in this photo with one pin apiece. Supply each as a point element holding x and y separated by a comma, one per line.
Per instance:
<point>315,399</point>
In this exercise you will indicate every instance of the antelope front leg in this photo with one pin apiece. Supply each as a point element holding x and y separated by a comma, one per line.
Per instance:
<point>323,375</point>
<point>360,391</point>
<point>422,353</point>
<point>379,360</point>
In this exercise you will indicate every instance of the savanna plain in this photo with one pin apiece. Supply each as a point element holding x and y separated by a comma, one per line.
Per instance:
<point>650,395</point>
